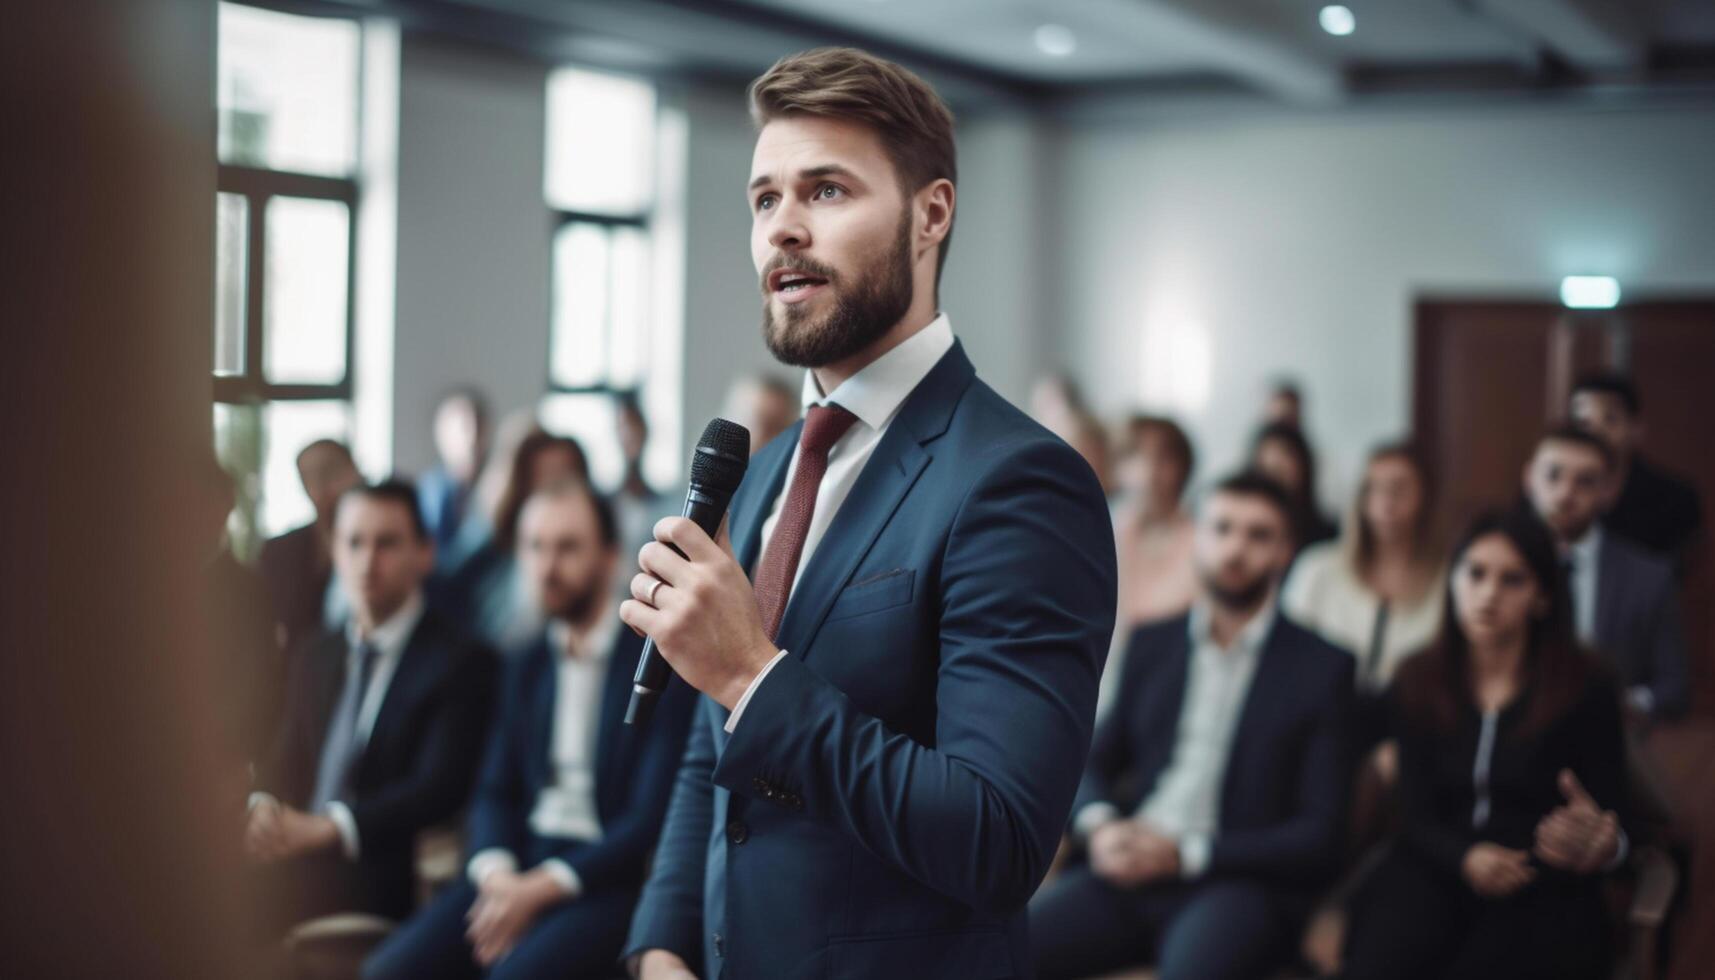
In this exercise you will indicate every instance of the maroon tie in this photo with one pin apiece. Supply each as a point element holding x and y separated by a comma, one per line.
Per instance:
<point>823,426</point>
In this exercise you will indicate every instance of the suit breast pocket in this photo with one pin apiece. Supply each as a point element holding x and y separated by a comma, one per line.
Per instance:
<point>873,594</point>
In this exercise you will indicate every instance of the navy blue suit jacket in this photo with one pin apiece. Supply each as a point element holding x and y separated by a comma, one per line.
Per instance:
<point>1285,792</point>
<point>634,769</point>
<point>898,784</point>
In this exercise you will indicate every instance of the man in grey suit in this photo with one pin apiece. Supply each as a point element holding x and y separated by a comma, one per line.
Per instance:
<point>1625,601</point>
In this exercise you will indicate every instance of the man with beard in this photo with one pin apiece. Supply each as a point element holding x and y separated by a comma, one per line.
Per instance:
<point>1625,600</point>
<point>896,710</point>
<point>569,801</point>
<point>1211,806</point>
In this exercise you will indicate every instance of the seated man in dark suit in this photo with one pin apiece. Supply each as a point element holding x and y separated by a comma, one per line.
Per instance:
<point>1625,601</point>
<point>382,730</point>
<point>570,801</point>
<point>1647,504</point>
<point>1213,799</point>
<point>298,566</point>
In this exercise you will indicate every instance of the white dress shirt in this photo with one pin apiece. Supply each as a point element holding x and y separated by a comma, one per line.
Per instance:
<point>875,395</point>
<point>1186,801</point>
<point>566,808</point>
<point>1584,555</point>
<point>389,639</point>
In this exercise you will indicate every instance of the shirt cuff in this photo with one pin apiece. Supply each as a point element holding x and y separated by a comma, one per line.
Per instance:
<point>1093,815</point>
<point>1622,850</point>
<point>1194,855</point>
<point>738,709</point>
<point>1642,699</point>
<point>341,816</point>
<point>563,876</point>
<point>486,862</point>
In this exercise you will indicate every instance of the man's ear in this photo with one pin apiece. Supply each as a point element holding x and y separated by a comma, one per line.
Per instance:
<point>934,206</point>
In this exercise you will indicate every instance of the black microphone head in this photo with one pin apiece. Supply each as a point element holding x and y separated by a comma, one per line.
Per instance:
<point>722,455</point>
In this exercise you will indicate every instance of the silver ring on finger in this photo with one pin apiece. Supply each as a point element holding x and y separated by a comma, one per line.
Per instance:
<point>656,587</point>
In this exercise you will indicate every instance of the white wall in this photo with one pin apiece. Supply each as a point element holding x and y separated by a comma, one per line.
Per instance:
<point>1201,258</point>
<point>473,236</point>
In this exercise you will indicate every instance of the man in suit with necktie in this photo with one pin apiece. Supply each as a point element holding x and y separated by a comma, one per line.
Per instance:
<point>382,729</point>
<point>1212,805</point>
<point>1625,600</point>
<point>899,643</point>
<point>570,800</point>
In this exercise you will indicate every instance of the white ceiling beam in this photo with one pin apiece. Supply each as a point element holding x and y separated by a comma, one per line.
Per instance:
<point>1232,42</point>
<point>1588,33</point>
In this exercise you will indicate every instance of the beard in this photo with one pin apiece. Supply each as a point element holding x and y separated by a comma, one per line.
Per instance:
<point>862,313</point>
<point>1238,598</point>
<point>576,604</point>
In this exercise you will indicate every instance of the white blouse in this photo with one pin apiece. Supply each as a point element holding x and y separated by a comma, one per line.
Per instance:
<point>1325,595</point>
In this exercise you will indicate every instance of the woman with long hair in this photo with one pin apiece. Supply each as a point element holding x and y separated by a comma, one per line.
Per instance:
<point>1512,764</point>
<point>1281,452</point>
<point>1378,590</point>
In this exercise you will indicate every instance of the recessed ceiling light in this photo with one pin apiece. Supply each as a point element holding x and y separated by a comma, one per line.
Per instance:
<point>1590,292</point>
<point>1337,20</point>
<point>1056,41</point>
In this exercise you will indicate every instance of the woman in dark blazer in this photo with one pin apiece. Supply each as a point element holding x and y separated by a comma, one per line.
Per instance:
<point>1512,763</point>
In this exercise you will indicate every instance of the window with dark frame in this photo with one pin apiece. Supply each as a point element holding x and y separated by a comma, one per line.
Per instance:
<point>289,97</point>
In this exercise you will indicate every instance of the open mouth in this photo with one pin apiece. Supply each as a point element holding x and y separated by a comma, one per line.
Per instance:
<point>791,284</point>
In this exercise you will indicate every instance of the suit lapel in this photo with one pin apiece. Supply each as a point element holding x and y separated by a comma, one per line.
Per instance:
<point>1268,691</point>
<point>1610,584</point>
<point>892,469</point>
<point>411,672</point>
<point>611,734</point>
<point>544,679</point>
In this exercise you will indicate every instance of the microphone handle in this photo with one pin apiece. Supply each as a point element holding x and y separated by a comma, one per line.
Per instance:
<point>705,508</point>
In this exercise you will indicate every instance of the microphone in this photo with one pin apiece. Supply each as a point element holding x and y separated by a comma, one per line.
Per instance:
<point>717,468</point>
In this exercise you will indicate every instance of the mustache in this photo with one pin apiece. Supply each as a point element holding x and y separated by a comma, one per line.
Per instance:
<point>802,263</point>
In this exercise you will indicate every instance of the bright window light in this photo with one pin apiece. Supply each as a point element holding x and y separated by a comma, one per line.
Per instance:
<point>1590,292</point>
<point>1338,20</point>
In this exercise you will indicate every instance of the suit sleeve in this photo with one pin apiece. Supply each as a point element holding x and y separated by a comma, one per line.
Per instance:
<point>670,914</point>
<point>1669,684</point>
<point>440,782</point>
<point>1601,763</point>
<point>623,851</point>
<point>1027,609</point>
<point>277,772</point>
<point>1306,846</point>
<point>1422,826</point>
<point>497,812</point>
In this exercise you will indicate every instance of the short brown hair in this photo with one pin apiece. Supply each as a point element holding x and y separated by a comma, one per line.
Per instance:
<point>845,83</point>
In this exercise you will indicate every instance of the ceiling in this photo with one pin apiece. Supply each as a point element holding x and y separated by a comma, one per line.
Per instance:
<point>988,49</point>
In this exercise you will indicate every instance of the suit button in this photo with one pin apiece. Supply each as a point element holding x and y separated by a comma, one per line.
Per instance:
<point>737,832</point>
<point>720,946</point>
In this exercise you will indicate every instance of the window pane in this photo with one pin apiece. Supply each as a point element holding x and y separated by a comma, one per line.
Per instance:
<point>306,314</point>
<point>231,240</point>
<point>601,142</point>
<point>287,427</point>
<point>628,334</point>
<point>588,418</point>
<point>581,279</point>
<point>288,91</point>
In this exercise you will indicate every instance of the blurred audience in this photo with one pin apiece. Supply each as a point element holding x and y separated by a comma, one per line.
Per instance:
<point>1212,804</point>
<point>570,801</point>
<point>382,729</point>
<point>764,404</point>
<point>297,566</point>
<point>1284,404</point>
<point>1378,589</point>
<point>1154,534</point>
<point>1057,403</point>
<point>1648,505</point>
<point>1625,601</point>
<point>248,664</point>
<point>636,505</point>
<point>461,443</point>
<point>486,593</point>
<point>1281,452</point>
<point>1511,767</point>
